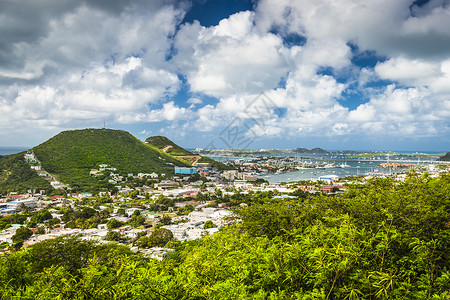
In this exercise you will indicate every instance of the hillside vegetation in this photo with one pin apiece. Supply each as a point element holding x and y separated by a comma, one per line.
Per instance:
<point>161,142</point>
<point>382,240</point>
<point>314,150</point>
<point>446,157</point>
<point>71,154</point>
<point>17,176</point>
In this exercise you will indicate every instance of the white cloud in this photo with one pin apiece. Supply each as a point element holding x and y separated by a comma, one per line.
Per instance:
<point>75,64</point>
<point>408,71</point>
<point>90,64</point>
<point>169,112</point>
<point>402,112</point>
<point>331,53</point>
<point>230,58</point>
<point>384,26</point>
<point>194,101</point>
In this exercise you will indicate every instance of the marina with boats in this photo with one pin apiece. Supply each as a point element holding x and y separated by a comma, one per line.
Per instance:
<point>286,167</point>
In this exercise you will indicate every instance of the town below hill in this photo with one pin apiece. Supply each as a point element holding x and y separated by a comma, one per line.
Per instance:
<point>99,214</point>
<point>191,240</point>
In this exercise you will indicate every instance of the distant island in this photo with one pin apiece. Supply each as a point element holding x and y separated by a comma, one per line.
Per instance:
<point>446,157</point>
<point>314,150</point>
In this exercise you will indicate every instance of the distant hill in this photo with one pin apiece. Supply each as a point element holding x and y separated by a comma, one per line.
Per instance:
<point>17,176</point>
<point>446,157</point>
<point>315,150</point>
<point>71,154</point>
<point>166,145</point>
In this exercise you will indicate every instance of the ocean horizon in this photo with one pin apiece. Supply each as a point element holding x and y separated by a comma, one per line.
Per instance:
<point>12,150</point>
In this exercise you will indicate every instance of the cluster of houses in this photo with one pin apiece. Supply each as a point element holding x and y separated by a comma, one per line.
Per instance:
<point>180,187</point>
<point>115,178</point>
<point>397,165</point>
<point>187,227</point>
<point>35,164</point>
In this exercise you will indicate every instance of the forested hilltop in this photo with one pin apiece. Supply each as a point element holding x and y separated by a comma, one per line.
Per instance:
<point>165,144</point>
<point>379,240</point>
<point>71,154</point>
<point>162,142</point>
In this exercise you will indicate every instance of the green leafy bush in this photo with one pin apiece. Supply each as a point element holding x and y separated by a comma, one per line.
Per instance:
<point>382,240</point>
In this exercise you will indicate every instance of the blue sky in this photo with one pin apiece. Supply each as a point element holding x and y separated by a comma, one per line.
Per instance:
<point>260,74</point>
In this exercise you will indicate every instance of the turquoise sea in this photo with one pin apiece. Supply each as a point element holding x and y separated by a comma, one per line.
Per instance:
<point>11,150</point>
<point>355,166</point>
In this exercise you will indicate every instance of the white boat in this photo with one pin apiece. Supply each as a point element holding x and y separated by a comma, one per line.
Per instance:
<point>344,165</point>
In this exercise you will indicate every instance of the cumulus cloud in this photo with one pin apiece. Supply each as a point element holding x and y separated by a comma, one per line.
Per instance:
<point>66,64</point>
<point>312,99</point>
<point>169,112</point>
<point>99,93</point>
<point>194,101</point>
<point>387,27</point>
<point>402,111</point>
<point>415,72</point>
<point>230,58</point>
<point>86,62</point>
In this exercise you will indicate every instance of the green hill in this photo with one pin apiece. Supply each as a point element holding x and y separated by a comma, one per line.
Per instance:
<point>314,150</point>
<point>446,157</point>
<point>17,176</point>
<point>164,144</point>
<point>71,154</point>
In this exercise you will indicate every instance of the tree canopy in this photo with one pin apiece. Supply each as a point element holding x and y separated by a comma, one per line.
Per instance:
<point>381,240</point>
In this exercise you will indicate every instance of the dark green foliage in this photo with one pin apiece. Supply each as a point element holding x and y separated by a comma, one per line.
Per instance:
<point>272,218</point>
<point>382,240</point>
<point>161,141</point>
<point>166,220</point>
<point>160,237</point>
<point>40,230</point>
<point>113,236</point>
<point>83,217</point>
<point>215,163</point>
<point>113,224</point>
<point>136,220</point>
<point>71,154</point>
<point>70,252</point>
<point>22,234</point>
<point>16,175</point>
<point>40,217</point>
<point>185,210</point>
<point>6,221</point>
<point>209,224</point>
<point>162,204</point>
